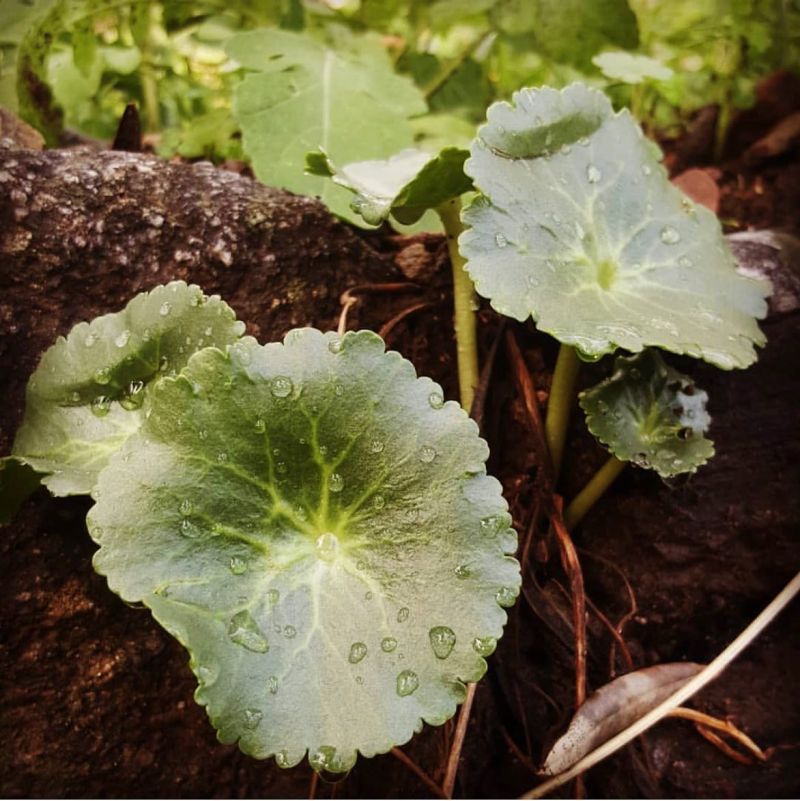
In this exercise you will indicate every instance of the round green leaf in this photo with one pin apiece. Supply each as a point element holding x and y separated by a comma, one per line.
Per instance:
<point>620,65</point>
<point>579,228</point>
<point>650,414</point>
<point>90,390</point>
<point>315,524</point>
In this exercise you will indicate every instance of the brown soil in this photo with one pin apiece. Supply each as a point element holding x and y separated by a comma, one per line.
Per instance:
<point>97,699</point>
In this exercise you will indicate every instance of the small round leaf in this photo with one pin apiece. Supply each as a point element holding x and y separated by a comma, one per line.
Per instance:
<point>650,414</point>
<point>90,390</point>
<point>315,524</point>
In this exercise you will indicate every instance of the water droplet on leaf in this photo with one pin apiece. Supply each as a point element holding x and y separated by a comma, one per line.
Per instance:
<point>165,309</point>
<point>358,650</point>
<point>289,632</point>
<point>443,640</point>
<point>272,685</point>
<point>669,235</point>
<point>388,644</point>
<point>101,406</point>
<point>238,565</point>
<point>376,446</point>
<point>484,645</point>
<point>252,717</point>
<point>407,683</point>
<point>122,340</point>
<point>506,596</point>
<point>336,482</point>
<point>500,240</point>
<point>281,386</point>
<point>427,454</point>
<point>244,631</point>
<point>402,614</point>
<point>327,546</point>
<point>436,400</point>
<point>593,175</point>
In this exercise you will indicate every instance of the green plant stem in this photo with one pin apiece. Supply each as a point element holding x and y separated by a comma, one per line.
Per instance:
<point>463,301</point>
<point>593,491</point>
<point>559,405</point>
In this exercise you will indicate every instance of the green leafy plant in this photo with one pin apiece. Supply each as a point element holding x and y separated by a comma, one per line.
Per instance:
<point>309,518</point>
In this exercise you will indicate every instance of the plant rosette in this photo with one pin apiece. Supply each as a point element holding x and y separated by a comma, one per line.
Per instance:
<point>315,524</point>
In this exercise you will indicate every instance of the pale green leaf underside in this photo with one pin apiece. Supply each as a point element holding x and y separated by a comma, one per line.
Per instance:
<point>650,414</point>
<point>405,185</point>
<point>302,95</point>
<point>316,526</point>
<point>90,390</point>
<point>631,67</point>
<point>580,229</point>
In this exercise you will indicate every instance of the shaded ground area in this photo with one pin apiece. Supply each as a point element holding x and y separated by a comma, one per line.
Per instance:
<point>97,700</point>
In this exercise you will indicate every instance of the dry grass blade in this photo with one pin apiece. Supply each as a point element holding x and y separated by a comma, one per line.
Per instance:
<point>704,677</point>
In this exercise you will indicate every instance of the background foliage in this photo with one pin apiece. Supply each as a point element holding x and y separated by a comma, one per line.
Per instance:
<point>76,63</point>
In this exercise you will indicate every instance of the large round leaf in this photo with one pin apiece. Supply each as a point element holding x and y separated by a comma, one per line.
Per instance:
<point>90,390</point>
<point>579,228</point>
<point>316,526</point>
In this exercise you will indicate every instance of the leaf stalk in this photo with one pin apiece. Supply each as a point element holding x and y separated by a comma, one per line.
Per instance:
<point>559,406</point>
<point>593,491</point>
<point>464,305</point>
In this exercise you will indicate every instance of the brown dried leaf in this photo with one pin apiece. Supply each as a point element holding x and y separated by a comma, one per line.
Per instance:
<point>614,707</point>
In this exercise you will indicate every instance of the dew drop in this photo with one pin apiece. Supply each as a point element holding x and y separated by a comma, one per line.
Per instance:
<point>206,675</point>
<point>222,457</point>
<point>368,596</point>
<point>339,390</point>
<point>685,261</point>
<point>260,426</point>
<point>378,502</point>
<point>462,571</point>
<point>90,340</point>
<point>506,596</point>
<point>165,309</point>
<point>252,717</point>
<point>376,446</point>
<point>427,454</point>
<point>244,631</point>
<point>290,632</point>
<point>238,565</point>
<point>281,386</point>
<point>646,169</point>
<point>388,644</point>
<point>327,546</point>
<point>359,679</point>
<point>500,240</point>
<point>436,400</point>
<point>273,596</point>
<point>282,759</point>
<point>122,340</point>
<point>358,650</point>
<point>593,175</point>
<point>76,397</point>
<point>484,645</point>
<point>669,236</point>
<point>189,529</point>
<point>134,395</point>
<point>272,685</point>
<point>407,683</point>
<point>402,614</point>
<point>102,376</point>
<point>335,482</point>
<point>186,507</point>
<point>101,406</point>
<point>335,345</point>
<point>443,640</point>
<point>163,364</point>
